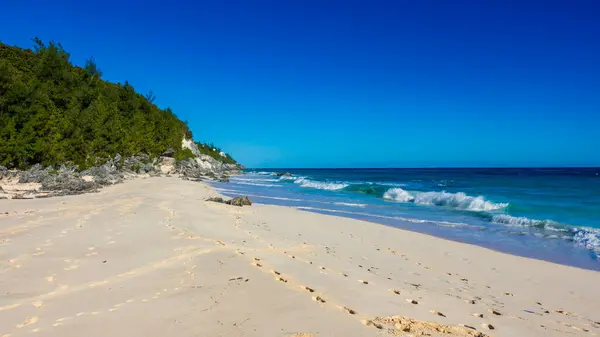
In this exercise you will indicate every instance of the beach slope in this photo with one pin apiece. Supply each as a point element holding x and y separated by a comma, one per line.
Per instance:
<point>151,257</point>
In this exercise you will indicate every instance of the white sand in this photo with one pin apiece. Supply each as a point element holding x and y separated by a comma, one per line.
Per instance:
<point>150,257</point>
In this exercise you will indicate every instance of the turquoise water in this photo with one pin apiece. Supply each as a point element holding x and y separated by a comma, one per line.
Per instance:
<point>551,214</point>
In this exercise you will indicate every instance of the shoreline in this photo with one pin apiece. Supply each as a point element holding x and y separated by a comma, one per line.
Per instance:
<point>460,213</point>
<point>595,268</point>
<point>263,270</point>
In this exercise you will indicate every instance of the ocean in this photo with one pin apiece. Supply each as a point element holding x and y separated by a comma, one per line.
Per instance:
<point>551,214</point>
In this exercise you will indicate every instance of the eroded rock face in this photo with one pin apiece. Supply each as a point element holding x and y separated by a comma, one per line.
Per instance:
<point>45,182</point>
<point>167,165</point>
<point>3,171</point>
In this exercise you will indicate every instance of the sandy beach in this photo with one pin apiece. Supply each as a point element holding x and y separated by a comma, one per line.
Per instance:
<point>151,257</point>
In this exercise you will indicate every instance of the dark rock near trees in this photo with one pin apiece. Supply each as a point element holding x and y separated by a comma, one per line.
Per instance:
<point>106,174</point>
<point>169,153</point>
<point>34,175</point>
<point>140,164</point>
<point>67,179</point>
<point>188,168</point>
<point>67,182</point>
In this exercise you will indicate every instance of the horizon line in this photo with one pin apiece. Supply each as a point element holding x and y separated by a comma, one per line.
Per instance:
<point>423,167</point>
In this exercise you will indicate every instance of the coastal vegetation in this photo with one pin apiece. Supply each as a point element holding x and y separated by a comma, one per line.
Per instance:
<point>53,112</point>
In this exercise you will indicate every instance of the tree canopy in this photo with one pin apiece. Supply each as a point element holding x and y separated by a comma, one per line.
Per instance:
<point>52,112</point>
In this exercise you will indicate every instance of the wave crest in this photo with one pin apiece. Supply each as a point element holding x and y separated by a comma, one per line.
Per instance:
<point>520,221</point>
<point>329,186</point>
<point>588,238</point>
<point>457,200</point>
<point>398,194</point>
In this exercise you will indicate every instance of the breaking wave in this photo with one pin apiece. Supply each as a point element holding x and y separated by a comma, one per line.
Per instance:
<point>320,185</point>
<point>457,200</point>
<point>588,238</point>
<point>521,221</point>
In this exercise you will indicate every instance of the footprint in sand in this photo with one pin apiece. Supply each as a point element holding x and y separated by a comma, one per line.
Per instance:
<point>319,299</point>
<point>363,282</point>
<point>309,289</point>
<point>487,326</point>
<point>495,312</point>
<point>373,324</point>
<point>411,301</point>
<point>397,292</point>
<point>348,310</point>
<point>29,321</point>
<point>435,312</point>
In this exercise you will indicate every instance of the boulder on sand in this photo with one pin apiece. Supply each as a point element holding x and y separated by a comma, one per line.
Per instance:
<point>237,201</point>
<point>216,199</point>
<point>240,201</point>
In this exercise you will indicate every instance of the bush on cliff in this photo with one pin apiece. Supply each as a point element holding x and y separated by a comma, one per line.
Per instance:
<point>53,112</point>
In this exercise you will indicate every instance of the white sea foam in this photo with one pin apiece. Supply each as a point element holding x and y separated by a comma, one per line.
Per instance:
<point>588,238</point>
<point>323,186</point>
<point>521,221</point>
<point>253,184</point>
<point>455,200</point>
<point>290,178</point>
<point>349,204</point>
<point>398,194</point>
<point>252,179</point>
<point>320,185</point>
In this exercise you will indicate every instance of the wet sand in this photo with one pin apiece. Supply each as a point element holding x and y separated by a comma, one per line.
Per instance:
<point>150,257</point>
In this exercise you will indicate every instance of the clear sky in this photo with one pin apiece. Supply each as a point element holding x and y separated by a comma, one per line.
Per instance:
<point>316,83</point>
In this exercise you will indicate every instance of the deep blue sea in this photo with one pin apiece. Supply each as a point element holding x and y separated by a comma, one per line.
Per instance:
<point>551,214</point>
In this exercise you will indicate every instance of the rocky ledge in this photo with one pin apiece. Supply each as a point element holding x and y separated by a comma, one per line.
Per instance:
<point>40,182</point>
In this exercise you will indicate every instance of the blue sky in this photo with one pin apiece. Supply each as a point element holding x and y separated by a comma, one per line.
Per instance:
<point>316,83</point>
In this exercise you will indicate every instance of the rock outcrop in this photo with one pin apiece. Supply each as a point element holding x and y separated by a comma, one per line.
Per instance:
<point>205,162</point>
<point>237,201</point>
<point>67,179</point>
